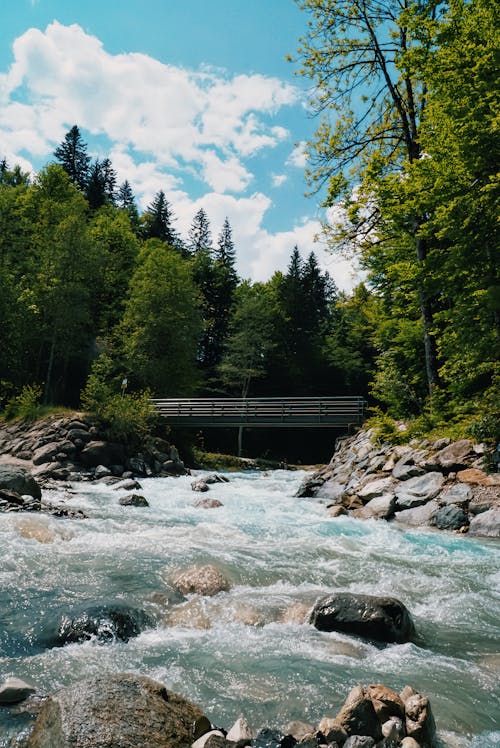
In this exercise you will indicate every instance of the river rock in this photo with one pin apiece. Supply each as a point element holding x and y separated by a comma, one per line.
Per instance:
<point>101,471</point>
<point>199,485</point>
<point>337,511</point>
<point>122,711</point>
<point>11,501</point>
<point>129,484</point>
<point>381,618</point>
<point>208,503</point>
<point>240,731</point>
<point>458,493</point>
<point>46,453</point>
<point>375,488</point>
<point>357,715</point>
<point>453,457</point>
<point>393,730</point>
<point>406,466</point>
<point>102,622</point>
<point>359,741</point>
<point>202,580</point>
<point>409,743</point>
<point>418,490</point>
<point>386,702</point>
<point>486,524</point>
<point>420,723</point>
<point>477,477</point>
<point>14,690</point>
<point>18,479</point>
<point>450,517</point>
<point>133,499</point>
<point>382,507</point>
<point>332,730</point>
<point>102,453</point>
<point>331,491</point>
<point>420,515</point>
<point>215,478</point>
<point>299,730</point>
<point>203,739</point>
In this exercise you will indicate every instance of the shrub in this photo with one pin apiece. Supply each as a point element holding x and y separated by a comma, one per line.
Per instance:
<point>26,405</point>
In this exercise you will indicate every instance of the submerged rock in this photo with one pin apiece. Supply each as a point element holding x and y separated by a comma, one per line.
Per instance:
<point>101,622</point>
<point>382,618</point>
<point>122,711</point>
<point>133,499</point>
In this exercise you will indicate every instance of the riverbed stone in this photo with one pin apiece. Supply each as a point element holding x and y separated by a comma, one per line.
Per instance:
<point>386,702</point>
<point>240,731</point>
<point>336,511</point>
<point>123,711</point>
<point>420,723</point>
<point>407,466</point>
<point>420,515</point>
<point>359,741</point>
<point>199,485</point>
<point>102,453</point>
<point>371,616</point>
<point>357,715</point>
<point>299,730</point>
<point>202,580</point>
<point>133,499</point>
<point>486,524</point>
<point>332,730</point>
<point>208,504</point>
<point>381,507</point>
<point>203,739</point>
<point>14,690</point>
<point>18,479</point>
<point>100,622</point>
<point>46,453</point>
<point>452,457</point>
<point>478,477</point>
<point>450,517</point>
<point>375,488</point>
<point>409,743</point>
<point>458,493</point>
<point>331,491</point>
<point>101,471</point>
<point>418,490</point>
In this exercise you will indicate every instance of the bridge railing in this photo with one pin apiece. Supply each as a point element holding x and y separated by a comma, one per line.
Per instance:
<point>271,411</point>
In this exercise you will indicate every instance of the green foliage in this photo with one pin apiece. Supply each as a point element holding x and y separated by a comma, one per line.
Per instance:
<point>128,418</point>
<point>26,405</point>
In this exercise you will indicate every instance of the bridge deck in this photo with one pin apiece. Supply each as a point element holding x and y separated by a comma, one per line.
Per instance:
<point>306,412</point>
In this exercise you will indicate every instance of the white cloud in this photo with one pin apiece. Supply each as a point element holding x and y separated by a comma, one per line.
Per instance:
<point>162,123</point>
<point>298,156</point>
<point>278,179</point>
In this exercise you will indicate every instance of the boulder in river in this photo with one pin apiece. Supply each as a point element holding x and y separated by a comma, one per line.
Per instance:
<point>357,715</point>
<point>133,499</point>
<point>123,711</point>
<point>208,503</point>
<point>14,690</point>
<point>486,524</point>
<point>381,618</point>
<point>18,479</point>
<point>420,723</point>
<point>202,580</point>
<point>102,622</point>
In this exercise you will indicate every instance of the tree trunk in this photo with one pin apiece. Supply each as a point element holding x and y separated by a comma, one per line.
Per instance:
<point>240,441</point>
<point>50,366</point>
<point>430,351</point>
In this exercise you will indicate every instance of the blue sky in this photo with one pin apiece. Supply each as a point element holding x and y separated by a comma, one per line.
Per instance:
<point>194,97</point>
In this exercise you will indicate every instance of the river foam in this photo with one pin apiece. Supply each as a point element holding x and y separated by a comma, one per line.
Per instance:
<point>244,651</point>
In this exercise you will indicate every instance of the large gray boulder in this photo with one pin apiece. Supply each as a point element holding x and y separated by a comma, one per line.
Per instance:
<point>452,457</point>
<point>382,618</point>
<point>418,490</point>
<point>486,524</point>
<point>102,453</point>
<point>201,580</point>
<point>450,517</point>
<point>420,515</point>
<point>115,711</point>
<point>47,453</point>
<point>19,480</point>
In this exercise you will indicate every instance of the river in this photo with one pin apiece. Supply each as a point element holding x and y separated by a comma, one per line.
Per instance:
<point>248,657</point>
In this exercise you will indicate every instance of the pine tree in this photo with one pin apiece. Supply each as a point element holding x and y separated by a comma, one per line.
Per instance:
<point>157,221</point>
<point>73,157</point>
<point>200,236</point>
<point>125,200</point>
<point>225,251</point>
<point>101,183</point>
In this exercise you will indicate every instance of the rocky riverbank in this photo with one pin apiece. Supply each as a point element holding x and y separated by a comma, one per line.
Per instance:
<point>127,710</point>
<point>44,453</point>
<point>441,484</point>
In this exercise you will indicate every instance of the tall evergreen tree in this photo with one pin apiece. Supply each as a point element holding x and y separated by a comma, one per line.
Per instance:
<point>101,183</point>
<point>225,251</point>
<point>157,221</point>
<point>125,200</point>
<point>73,157</point>
<point>200,236</point>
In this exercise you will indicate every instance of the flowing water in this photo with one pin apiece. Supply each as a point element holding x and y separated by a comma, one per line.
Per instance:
<point>246,651</point>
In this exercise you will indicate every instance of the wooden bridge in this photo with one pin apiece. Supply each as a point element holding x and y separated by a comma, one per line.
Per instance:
<point>268,412</point>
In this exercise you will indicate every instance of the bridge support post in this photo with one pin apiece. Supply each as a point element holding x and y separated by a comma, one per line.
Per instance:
<point>240,441</point>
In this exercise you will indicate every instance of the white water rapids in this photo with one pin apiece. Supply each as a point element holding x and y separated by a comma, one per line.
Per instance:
<point>248,657</point>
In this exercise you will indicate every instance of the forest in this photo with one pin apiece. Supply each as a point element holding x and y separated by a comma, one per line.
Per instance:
<point>93,291</point>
